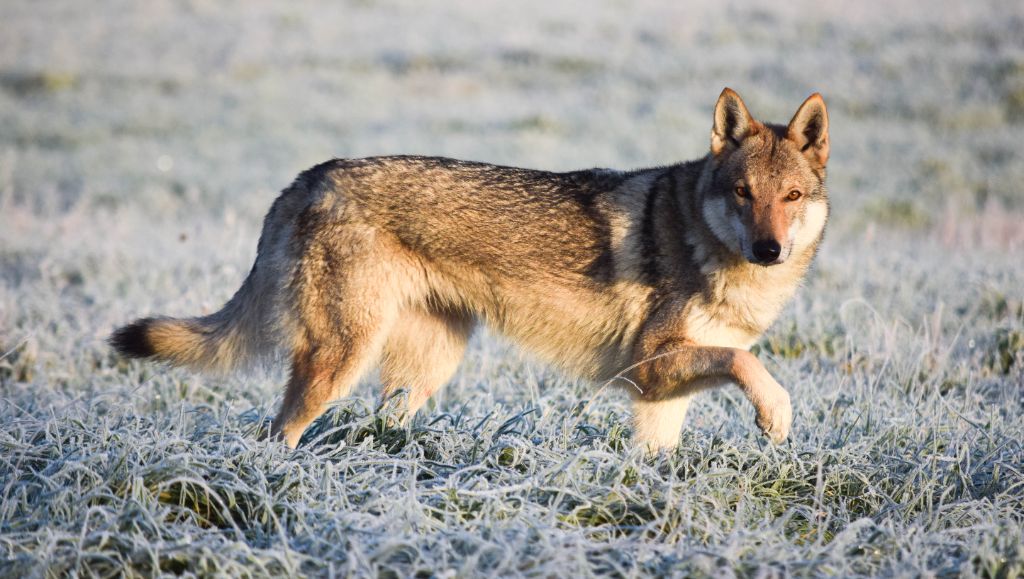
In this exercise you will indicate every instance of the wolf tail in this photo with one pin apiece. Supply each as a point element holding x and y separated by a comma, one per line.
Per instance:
<point>241,331</point>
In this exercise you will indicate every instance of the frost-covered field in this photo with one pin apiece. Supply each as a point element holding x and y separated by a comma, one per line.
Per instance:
<point>141,143</point>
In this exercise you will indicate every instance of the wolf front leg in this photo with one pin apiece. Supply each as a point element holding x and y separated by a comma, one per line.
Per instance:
<point>675,371</point>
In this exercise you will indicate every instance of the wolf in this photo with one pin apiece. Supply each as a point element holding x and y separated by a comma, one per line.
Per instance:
<point>659,279</point>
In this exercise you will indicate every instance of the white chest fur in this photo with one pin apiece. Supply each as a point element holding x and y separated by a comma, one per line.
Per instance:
<point>740,305</point>
<point>743,300</point>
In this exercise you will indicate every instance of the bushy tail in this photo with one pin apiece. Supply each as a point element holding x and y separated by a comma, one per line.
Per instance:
<point>218,342</point>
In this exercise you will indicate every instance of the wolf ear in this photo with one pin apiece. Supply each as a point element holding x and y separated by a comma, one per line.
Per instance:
<point>732,121</point>
<point>809,129</point>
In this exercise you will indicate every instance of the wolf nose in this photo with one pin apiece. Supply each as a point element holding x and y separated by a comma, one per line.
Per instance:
<point>767,250</point>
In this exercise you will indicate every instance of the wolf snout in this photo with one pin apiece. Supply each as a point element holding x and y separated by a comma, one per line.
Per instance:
<point>767,251</point>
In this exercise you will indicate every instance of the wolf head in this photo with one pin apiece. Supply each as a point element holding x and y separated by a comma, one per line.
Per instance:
<point>763,187</point>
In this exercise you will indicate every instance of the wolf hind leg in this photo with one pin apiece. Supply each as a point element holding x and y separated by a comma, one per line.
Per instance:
<point>325,367</point>
<point>344,312</point>
<point>321,373</point>
<point>422,351</point>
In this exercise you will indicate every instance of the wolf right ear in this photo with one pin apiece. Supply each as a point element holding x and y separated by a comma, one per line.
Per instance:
<point>809,129</point>
<point>732,122</point>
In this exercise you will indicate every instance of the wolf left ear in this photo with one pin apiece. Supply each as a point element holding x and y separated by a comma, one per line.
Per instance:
<point>732,121</point>
<point>809,129</point>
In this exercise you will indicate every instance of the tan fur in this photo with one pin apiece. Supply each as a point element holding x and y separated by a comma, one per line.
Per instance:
<point>423,352</point>
<point>658,423</point>
<point>646,275</point>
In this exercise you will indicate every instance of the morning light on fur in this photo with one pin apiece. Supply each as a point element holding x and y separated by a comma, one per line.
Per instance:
<point>385,288</point>
<point>662,277</point>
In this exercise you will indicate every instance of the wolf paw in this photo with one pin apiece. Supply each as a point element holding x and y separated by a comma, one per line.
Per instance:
<point>775,414</point>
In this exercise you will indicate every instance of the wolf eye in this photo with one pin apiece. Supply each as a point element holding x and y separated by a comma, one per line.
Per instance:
<point>742,192</point>
<point>794,195</point>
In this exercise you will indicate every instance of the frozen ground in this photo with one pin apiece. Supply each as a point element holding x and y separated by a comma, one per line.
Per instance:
<point>141,143</point>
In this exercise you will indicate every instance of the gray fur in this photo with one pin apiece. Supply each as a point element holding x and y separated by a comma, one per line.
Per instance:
<point>643,275</point>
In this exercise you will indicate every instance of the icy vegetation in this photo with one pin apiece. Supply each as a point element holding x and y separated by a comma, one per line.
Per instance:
<point>142,142</point>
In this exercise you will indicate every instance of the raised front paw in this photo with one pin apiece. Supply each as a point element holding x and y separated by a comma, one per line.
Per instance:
<point>775,413</point>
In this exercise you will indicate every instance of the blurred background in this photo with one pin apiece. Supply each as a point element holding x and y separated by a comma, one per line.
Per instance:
<point>203,106</point>
<point>141,144</point>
